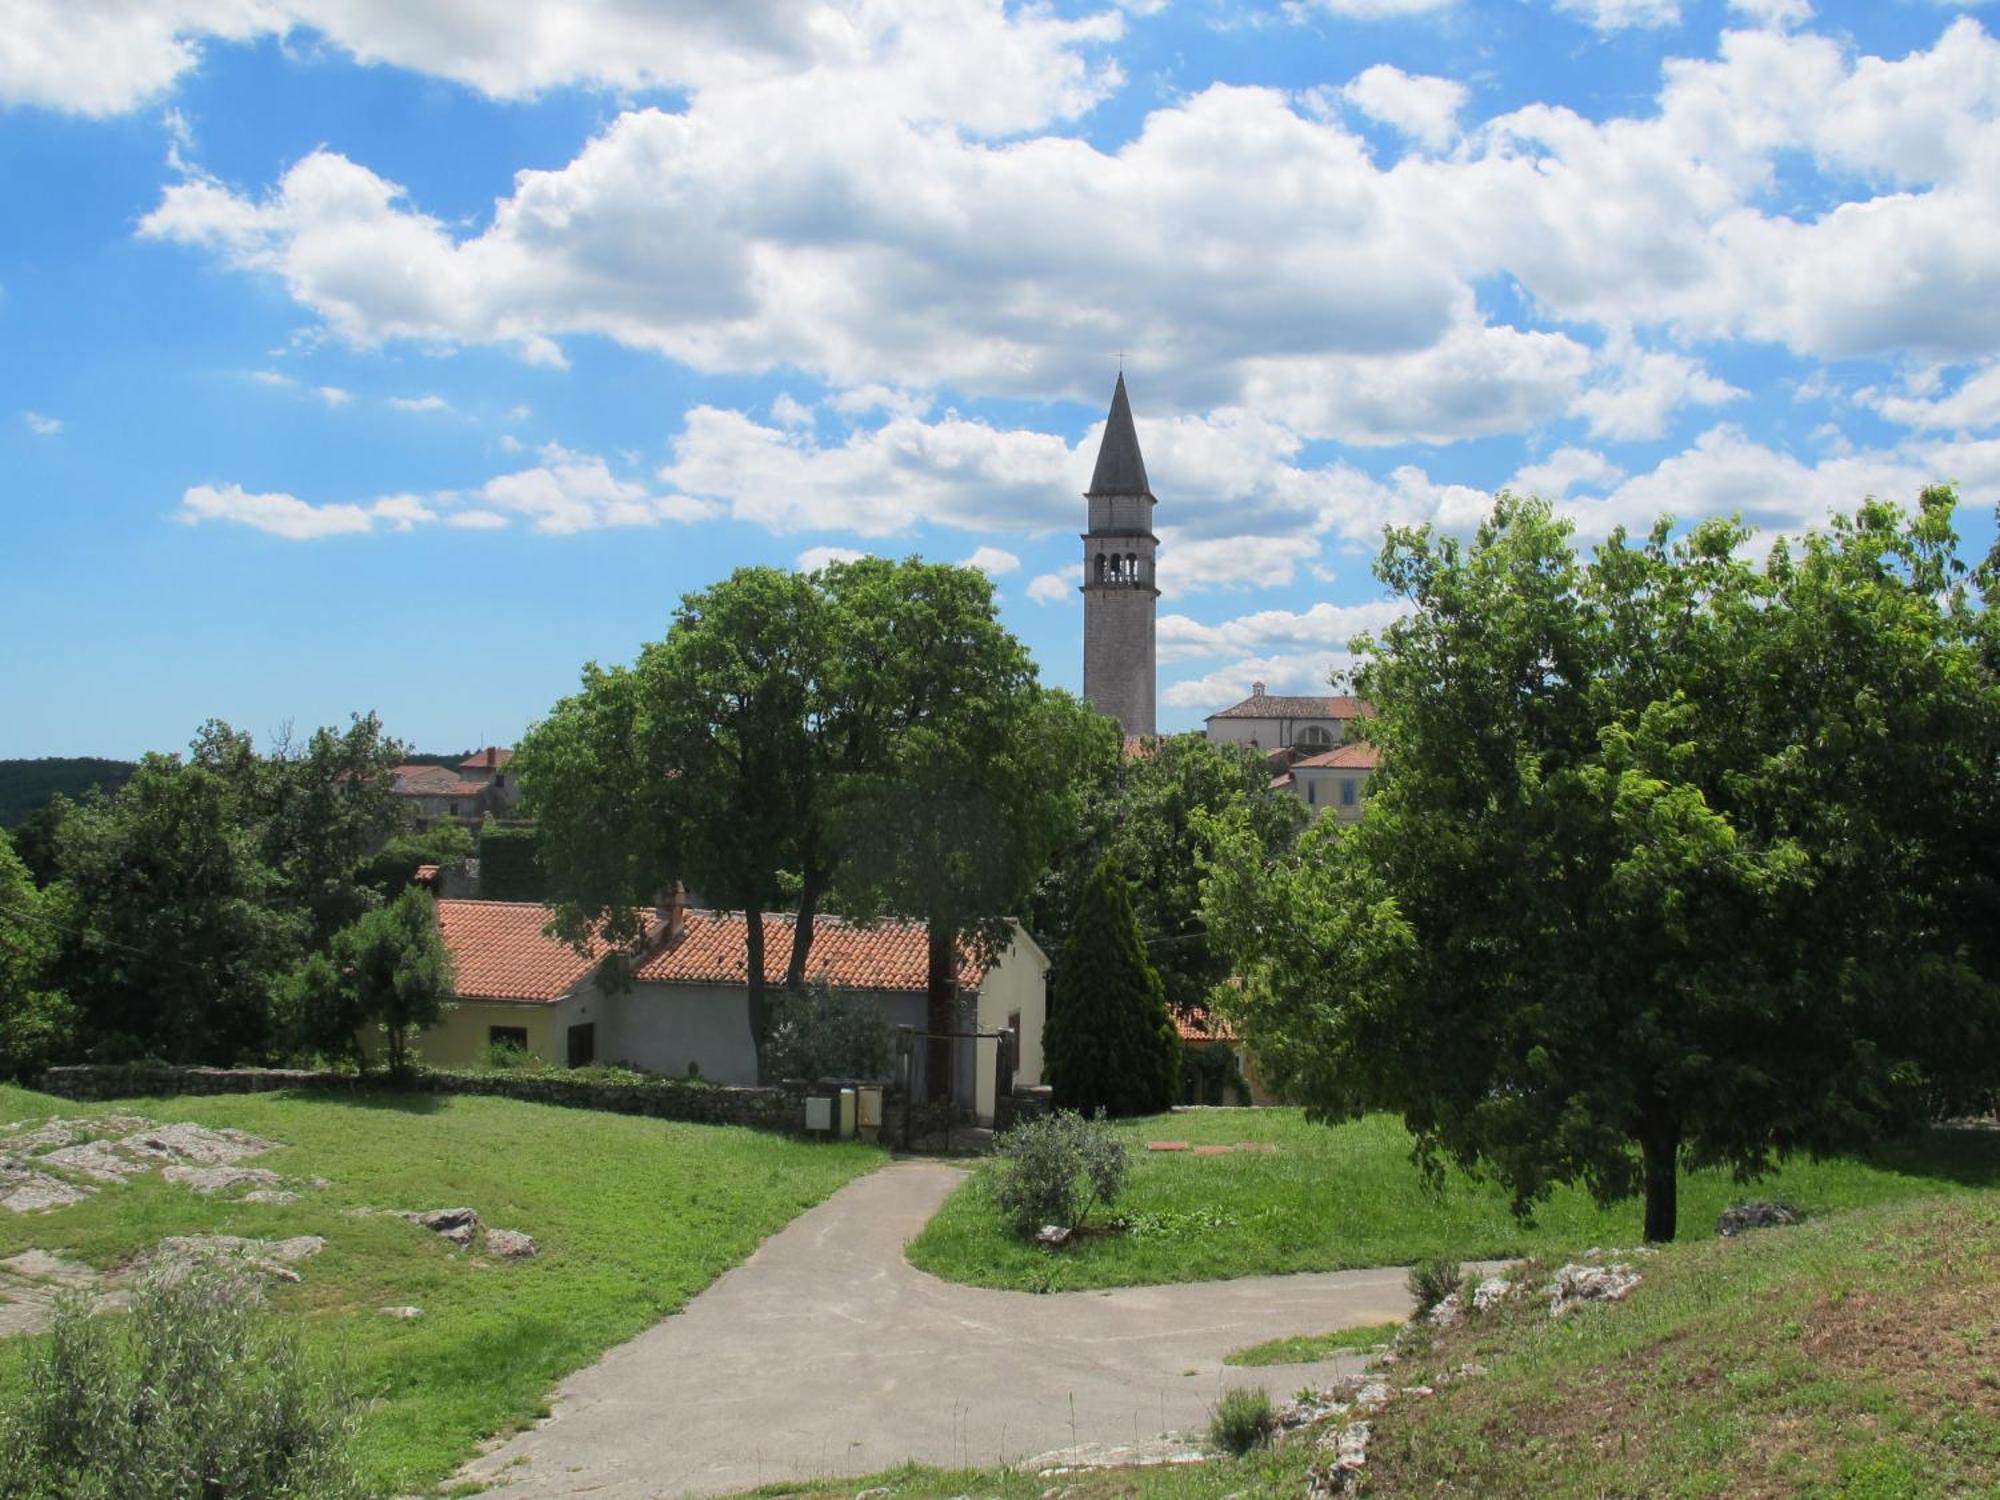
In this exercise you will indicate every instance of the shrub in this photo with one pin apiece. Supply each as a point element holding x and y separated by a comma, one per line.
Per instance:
<point>1055,1170</point>
<point>198,1393</point>
<point>1242,1420</point>
<point>505,1057</point>
<point>826,1034</point>
<point>1431,1281</point>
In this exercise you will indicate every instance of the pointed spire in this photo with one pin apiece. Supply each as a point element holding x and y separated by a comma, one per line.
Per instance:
<point>1120,470</point>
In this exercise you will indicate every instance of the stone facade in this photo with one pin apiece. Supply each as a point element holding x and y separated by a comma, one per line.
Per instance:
<point>1120,600</point>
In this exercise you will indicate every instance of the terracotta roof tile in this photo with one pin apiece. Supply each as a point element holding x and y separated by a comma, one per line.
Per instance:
<point>434,781</point>
<point>1198,1024</point>
<point>1275,706</point>
<point>714,949</point>
<point>499,951</point>
<point>1356,755</point>
<point>492,758</point>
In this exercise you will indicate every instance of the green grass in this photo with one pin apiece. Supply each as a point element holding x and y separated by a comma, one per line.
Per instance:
<point>1856,1355</point>
<point>1263,1471</point>
<point>1308,1347</point>
<point>1340,1197</point>
<point>634,1217</point>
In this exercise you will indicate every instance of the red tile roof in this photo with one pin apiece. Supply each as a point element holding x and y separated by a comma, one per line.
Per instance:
<point>714,949</point>
<point>1275,706</point>
<point>499,951</point>
<point>434,781</point>
<point>492,758</point>
<point>1356,755</point>
<point>425,874</point>
<point>1197,1024</point>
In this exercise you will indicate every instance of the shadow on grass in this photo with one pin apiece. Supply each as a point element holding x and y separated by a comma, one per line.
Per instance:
<point>1966,1155</point>
<point>374,1097</point>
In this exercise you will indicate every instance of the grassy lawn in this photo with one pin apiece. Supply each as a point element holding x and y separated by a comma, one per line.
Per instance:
<point>634,1217</point>
<point>1340,1197</point>
<point>1308,1347</point>
<point>1855,1356</point>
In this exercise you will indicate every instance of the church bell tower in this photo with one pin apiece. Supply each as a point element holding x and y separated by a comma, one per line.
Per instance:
<point>1119,599</point>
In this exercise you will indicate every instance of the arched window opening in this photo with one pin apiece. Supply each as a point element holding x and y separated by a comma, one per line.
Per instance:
<point>1100,567</point>
<point>1131,568</point>
<point>1315,736</point>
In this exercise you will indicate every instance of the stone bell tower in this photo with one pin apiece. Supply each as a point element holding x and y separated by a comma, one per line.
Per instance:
<point>1119,599</point>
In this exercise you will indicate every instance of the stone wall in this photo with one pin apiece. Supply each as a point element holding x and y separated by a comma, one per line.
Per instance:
<point>781,1109</point>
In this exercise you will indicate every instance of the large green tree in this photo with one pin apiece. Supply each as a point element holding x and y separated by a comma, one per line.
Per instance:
<point>1150,813</point>
<point>36,1020</point>
<point>695,764</point>
<point>175,933</point>
<point>1666,864</point>
<point>1110,1043</point>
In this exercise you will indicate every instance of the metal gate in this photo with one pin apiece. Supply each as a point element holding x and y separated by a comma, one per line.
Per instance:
<point>937,1075</point>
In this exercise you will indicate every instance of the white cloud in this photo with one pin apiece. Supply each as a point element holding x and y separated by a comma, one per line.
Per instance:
<point>814,558</point>
<point>1372,10</point>
<point>958,60</point>
<point>1422,108</point>
<point>1304,672</point>
<point>1268,632</point>
<point>279,514</point>
<point>1773,12</point>
<point>511,444</point>
<point>1564,470</point>
<point>333,395</point>
<point>420,403</point>
<point>571,492</point>
<point>1644,388</point>
<point>1051,588</point>
<point>476,520</point>
<point>994,562</point>
<point>1618,15</point>
<point>952,472</point>
<point>40,425</point>
<point>788,411</point>
<point>272,377</point>
<point>1973,406</point>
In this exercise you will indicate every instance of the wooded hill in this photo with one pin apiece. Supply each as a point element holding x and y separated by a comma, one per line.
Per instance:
<point>28,784</point>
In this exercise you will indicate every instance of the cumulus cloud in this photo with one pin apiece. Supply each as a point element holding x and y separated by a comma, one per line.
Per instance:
<point>1423,108</point>
<point>814,558</point>
<point>1973,406</point>
<point>1642,390</point>
<point>994,562</point>
<point>1269,632</point>
<point>966,61</point>
<point>1618,15</point>
<point>278,514</point>
<point>1303,672</point>
<point>570,492</point>
<point>1051,588</point>
<point>40,425</point>
<point>1564,470</point>
<point>420,403</point>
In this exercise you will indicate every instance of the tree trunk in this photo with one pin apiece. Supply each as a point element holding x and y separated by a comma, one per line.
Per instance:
<point>941,1013</point>
<point>812,885</point>
<point>1661,1147</point>
<point>760,1017</point>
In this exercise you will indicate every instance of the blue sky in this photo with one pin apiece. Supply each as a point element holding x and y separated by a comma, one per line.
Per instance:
<point>358,354</point>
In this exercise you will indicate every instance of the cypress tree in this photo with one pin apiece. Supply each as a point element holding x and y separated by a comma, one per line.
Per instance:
<point>1110,1042</point>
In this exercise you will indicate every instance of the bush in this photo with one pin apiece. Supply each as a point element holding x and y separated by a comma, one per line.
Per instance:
<point>505,1057</point>
<point>1431,1281</point>
<point>826,1034</point>
<point>1242,1420</point>
<point>198,1393</point>
<point>1055,1170</point>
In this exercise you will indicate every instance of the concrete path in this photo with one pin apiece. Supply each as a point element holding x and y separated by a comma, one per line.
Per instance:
<point>826,1353</point>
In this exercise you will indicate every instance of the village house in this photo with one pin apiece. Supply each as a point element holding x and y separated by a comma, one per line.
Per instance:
<point>686,1010</point>
<point>1332,782</point>
<point>478,786</point>
<point>1272,721</point>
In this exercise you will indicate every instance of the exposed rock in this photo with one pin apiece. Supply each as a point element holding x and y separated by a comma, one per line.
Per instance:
<point>1344,1455</point>
<point>1053,1235</point>
<point>402,1314</point>
<point>270,1195</point>
<point>1493,1291</point>
<point>455,1224</point>
<point>1762,1214</point>
<point>39,1265</point>
<point>1446,1314</point>
<point>26,1191</point>
<point>195,1143</point>
<point>32,1281</point>
<point>1576,1284</point>
<point>511,1244</point>
<point>219,1179</point>
<point>275,1258</point>
<point>96,1160</point>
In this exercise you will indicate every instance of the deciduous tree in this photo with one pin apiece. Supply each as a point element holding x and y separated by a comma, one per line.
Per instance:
<point>1667,862</point>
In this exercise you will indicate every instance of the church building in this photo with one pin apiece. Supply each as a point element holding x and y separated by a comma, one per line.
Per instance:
<point>1120,601</point>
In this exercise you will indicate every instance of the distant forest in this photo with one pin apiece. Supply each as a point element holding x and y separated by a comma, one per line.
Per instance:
<point>26,785</point>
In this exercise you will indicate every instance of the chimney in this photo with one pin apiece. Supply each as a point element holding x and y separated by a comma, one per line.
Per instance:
<point>1256,689</point>
<point>492,756</point>
<point>677,911</point>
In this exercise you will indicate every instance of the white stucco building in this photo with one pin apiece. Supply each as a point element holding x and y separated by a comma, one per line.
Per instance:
<point>1272,721</point>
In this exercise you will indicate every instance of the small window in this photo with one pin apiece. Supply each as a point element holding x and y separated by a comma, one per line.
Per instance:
<point>1348,790</point>
<point>507,1036</point>
<point>1312,791</point>
<point>454,809</point>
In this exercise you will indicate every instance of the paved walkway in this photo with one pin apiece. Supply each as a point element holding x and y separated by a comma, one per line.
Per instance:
<point>826,1353</point>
